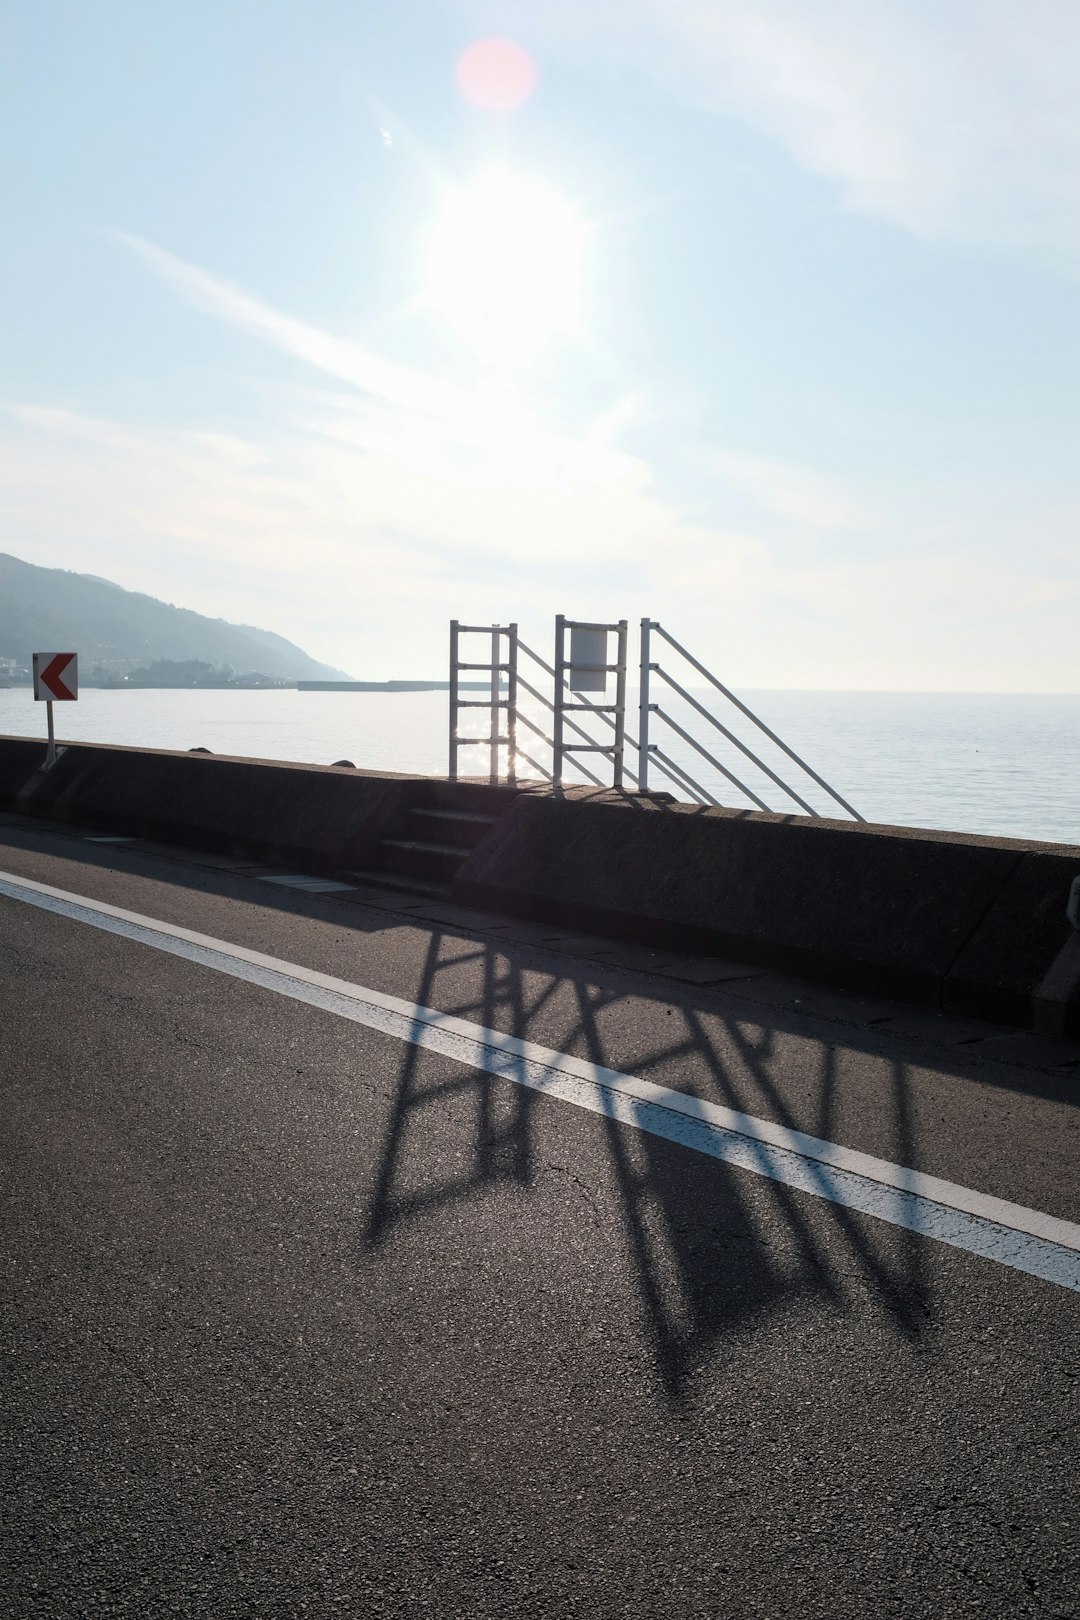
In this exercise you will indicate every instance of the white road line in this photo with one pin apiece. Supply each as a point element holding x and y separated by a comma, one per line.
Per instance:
<point>1025,1239</point>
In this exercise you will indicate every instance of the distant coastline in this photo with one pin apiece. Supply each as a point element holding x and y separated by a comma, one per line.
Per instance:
<point>263,684</point>
<point>390,686</point>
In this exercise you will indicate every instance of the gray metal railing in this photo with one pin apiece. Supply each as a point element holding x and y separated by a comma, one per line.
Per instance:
<point>649,751</point>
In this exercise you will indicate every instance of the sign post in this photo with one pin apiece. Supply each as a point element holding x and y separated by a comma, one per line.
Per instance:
<point>56,680</point>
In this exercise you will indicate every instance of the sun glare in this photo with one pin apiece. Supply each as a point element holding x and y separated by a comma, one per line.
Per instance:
<point>505,267</point>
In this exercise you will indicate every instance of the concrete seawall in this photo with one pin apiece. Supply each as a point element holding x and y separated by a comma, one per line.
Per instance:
<point>959,922</point>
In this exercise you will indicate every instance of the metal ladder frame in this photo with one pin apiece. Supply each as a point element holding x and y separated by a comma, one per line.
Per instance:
<point>495,738</point>
<point>560,747</point>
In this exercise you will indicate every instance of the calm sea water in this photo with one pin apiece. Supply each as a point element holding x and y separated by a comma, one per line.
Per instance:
<point>969,763</point>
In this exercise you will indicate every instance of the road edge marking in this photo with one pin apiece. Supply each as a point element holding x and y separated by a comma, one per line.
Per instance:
<point>825,1169</point>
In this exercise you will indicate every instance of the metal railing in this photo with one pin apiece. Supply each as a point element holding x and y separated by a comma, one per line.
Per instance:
<point>496,739</point>
<point>649,751</point>
<point>553,708</point>
<point>611,715</point>
<point>567,702</point>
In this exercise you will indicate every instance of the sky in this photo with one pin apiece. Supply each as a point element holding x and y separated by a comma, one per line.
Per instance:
<point>347,317</point>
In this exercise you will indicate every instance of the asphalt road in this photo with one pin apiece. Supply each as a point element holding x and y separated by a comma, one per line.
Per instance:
<point>301,1320</point>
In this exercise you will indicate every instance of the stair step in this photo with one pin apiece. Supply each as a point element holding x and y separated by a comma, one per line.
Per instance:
<point>463,829</point>
<point>401,883</point>
<point>476,796</point>
<point>472,817</point>
<point>424,844</point>
<point>418,857</point>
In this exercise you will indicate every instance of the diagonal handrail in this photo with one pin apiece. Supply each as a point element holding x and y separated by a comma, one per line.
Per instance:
<point>667,766</point>
<point>674,773</point>
<point>731,737</point>
<point>535,763</point>
<point>750,715</point>
<point>681,778</point>
<point>704,752</point>
<point>544,738</point>
<point>572,724</point>
<point>523,647</point>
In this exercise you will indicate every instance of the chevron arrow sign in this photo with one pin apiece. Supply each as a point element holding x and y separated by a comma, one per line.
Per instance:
<point>56,677</point>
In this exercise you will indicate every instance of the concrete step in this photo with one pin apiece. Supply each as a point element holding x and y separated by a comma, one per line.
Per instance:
<point>463,829</point>
<point>473,795</point>
<point>400,883</point>
<point>417,857</point>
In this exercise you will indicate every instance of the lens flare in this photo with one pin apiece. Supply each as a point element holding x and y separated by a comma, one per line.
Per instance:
<point>496,74</point>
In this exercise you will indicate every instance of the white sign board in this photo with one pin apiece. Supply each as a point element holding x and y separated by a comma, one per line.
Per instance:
<point>588,656</point>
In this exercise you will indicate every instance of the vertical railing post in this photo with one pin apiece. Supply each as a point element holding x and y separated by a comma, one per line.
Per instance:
<point>620,707</point>
<point>493,734</point>
<point>511,706</point>
<point>643,709</point>
<point>453,699</point>
<point>557,719</point>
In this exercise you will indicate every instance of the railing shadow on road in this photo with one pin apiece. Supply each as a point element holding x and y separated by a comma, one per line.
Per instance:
<point>713,1249</point>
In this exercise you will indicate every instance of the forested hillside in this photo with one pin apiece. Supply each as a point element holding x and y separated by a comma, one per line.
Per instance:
<point>51,609</point>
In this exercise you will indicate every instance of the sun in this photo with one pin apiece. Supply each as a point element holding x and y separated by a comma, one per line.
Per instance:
<point>505,267</point>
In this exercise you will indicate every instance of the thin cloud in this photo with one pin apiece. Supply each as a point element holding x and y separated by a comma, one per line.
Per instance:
<point>362,560</point>
<point>956,120</point>
<point>337,357</point>
<point>494,432</point>
<point>800,493</point>
<point>357,519</point>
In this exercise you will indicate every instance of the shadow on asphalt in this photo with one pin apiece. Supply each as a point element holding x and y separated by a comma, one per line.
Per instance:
<point>707,1264</point>
<point>713,1254</point>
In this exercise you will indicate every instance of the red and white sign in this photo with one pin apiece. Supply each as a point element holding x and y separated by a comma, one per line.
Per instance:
<point>56,677</point>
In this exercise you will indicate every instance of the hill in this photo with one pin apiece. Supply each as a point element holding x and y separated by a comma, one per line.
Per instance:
<point>52,609</point>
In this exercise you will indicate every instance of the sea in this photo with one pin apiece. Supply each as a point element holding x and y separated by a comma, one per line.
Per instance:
<point>1006,765</point>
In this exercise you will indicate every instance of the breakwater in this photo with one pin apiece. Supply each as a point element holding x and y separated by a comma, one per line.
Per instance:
<point>967,924</point>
